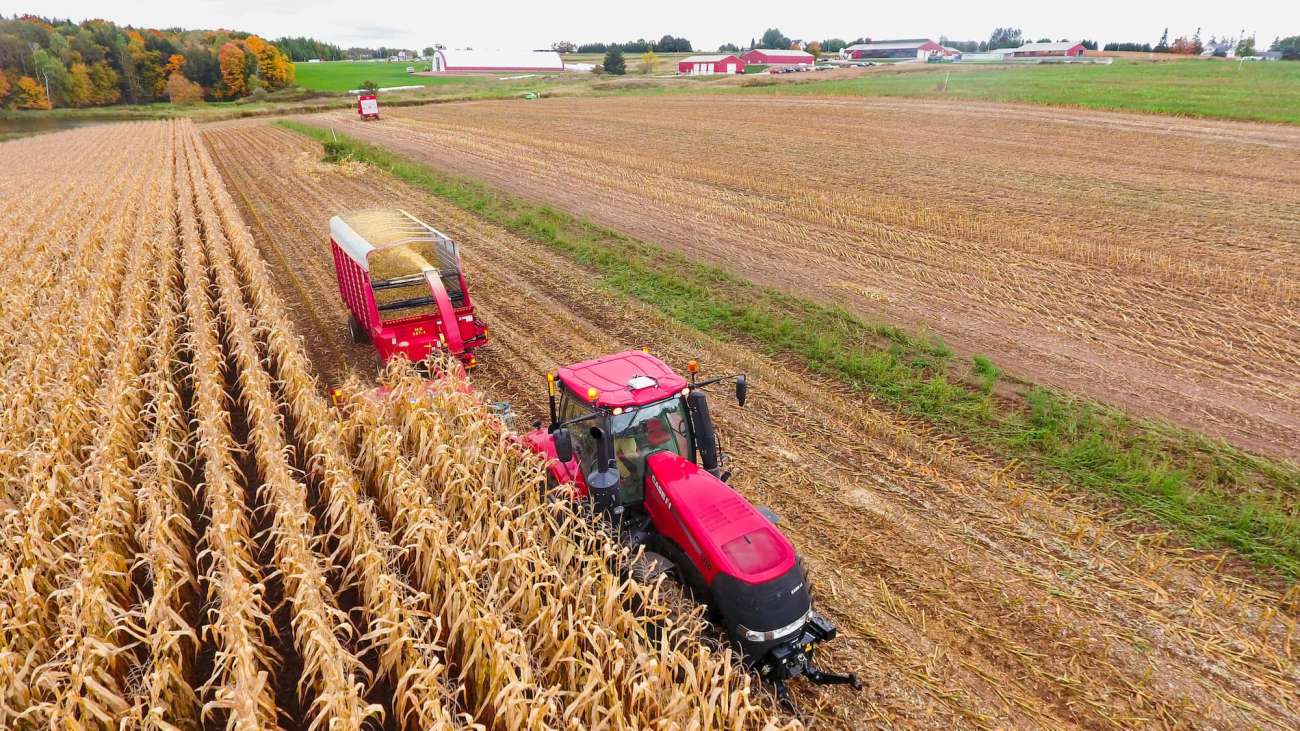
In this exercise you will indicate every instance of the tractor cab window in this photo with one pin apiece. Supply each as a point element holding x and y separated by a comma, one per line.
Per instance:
<point>584,446</point>
<point>642,431</point>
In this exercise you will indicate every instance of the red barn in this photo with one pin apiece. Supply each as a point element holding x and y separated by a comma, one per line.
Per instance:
<point>721,63</point>
<point>772,57</point>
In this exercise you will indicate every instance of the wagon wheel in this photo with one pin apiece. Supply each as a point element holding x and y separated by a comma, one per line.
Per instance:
<point>359,334</point>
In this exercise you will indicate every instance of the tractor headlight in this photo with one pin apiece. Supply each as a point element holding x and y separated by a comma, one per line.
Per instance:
<point>775,634</point>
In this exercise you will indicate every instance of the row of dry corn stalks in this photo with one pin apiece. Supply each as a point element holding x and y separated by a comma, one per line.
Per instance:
<point>196,538</point>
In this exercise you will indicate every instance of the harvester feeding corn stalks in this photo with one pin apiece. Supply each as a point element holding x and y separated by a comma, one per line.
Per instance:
<point>633,438</point>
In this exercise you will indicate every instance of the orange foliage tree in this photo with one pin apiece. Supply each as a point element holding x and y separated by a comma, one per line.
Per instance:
<point>183,91</point>
<point>30,94</point>
<point>273,67</point>
<point>4,87</point>
<point>175,62</point>
<point>234,71</point>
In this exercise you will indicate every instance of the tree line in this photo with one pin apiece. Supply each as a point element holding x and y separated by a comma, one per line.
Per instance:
<point>1289,47</point>
<point>46,63</point>
<point>667,44</point>
<point>306,49</point>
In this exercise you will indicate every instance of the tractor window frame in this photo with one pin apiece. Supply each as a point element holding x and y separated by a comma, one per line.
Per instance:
<point>584,446</point>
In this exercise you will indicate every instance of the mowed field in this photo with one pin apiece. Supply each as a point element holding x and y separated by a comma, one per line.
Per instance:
<point>195,537</point>
<point>966,597</point>
<point>348,75</point>
<point>1151,263</point>
<point>1213,88</point>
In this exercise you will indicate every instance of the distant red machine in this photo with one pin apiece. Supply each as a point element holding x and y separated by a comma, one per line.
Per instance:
<point>425,307</point>
<point>368,106</point>
<point>637,442</point>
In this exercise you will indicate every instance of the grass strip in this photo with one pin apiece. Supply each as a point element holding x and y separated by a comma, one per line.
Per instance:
<point>1214,494</point>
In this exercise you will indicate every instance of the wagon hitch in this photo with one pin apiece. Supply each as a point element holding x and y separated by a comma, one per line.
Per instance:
<point>816,677</point>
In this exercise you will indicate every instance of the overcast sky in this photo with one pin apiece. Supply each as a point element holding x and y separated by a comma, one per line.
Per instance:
<point>510,24</point>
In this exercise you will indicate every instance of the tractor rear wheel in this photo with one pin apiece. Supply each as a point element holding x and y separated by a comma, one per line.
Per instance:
<point>359,334</point>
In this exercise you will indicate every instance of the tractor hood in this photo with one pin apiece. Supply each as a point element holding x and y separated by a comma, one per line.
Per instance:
<point>757,581</point>
<point>721,531</point>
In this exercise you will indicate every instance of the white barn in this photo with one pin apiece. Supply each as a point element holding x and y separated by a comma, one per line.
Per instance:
<point>447,61</point>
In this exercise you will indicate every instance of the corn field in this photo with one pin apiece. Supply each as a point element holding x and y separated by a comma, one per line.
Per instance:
<point>196,537</point>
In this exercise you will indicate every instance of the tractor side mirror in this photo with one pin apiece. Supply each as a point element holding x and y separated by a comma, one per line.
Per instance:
<point>563,445</point>
<point>602,482</point>
<point>742,389</point>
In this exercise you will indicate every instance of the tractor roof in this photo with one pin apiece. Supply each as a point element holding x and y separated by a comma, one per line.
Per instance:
<point>630,378</point>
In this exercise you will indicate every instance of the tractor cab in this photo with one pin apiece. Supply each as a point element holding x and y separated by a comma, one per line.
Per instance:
<point>611,414</point>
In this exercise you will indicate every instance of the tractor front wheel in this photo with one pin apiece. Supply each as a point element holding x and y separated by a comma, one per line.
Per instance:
<point>359,334</point>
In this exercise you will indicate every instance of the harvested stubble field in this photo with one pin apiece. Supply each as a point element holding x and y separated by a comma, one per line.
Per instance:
<point>1152,263</point>
<point>967,598</point>
<point>195,538</point>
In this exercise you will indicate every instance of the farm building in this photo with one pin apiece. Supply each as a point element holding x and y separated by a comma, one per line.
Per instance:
<point>721,63</point>
<point>917,48</point>
<point>1220,48</point>
<point>1041,50</point>
<point>447,61</point>
<point>770,57</point>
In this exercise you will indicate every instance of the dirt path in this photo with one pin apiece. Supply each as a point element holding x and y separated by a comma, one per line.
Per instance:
<point>965,597</point>
<point>1148,262</point>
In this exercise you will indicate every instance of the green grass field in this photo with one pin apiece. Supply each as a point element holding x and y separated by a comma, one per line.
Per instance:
<point>347,75</point>
<point>1262,91</point>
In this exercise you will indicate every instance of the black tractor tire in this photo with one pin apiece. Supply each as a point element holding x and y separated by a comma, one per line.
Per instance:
<point>359,334</point>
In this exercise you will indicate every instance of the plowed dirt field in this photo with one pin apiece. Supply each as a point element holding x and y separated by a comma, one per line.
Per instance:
<point>1150,262</point>
<point>965,597</point>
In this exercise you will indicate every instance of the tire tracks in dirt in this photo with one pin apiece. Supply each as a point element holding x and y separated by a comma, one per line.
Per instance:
<point>966,597</point>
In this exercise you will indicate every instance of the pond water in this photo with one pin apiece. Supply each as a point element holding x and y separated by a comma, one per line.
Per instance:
<point>13,127</point>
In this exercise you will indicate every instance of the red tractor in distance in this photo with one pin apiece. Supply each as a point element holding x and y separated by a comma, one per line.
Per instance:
<point>404,287</point>
<point>368,106</point>
<point>636,441</point>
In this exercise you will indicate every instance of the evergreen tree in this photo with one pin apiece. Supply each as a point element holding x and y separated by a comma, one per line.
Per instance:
<point>614,63</point>
<point>1163,45</point>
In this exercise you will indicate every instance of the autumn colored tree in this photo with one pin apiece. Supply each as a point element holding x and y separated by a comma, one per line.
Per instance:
<point>4,88</point>
<point>30,95</point>
<point>104,84</point>
<point>175,65</point>
<point>81,92</point>
<point>648,60</point>
<point>181,90</point>
<point>273,67</point>
<point>815,49</point>
<point>147,66</point>
<point>234,71</point>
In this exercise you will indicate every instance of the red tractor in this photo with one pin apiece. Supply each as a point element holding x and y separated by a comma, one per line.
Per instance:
<point>368,106</point>
<point>403,285</point>
<point>636,441</point>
